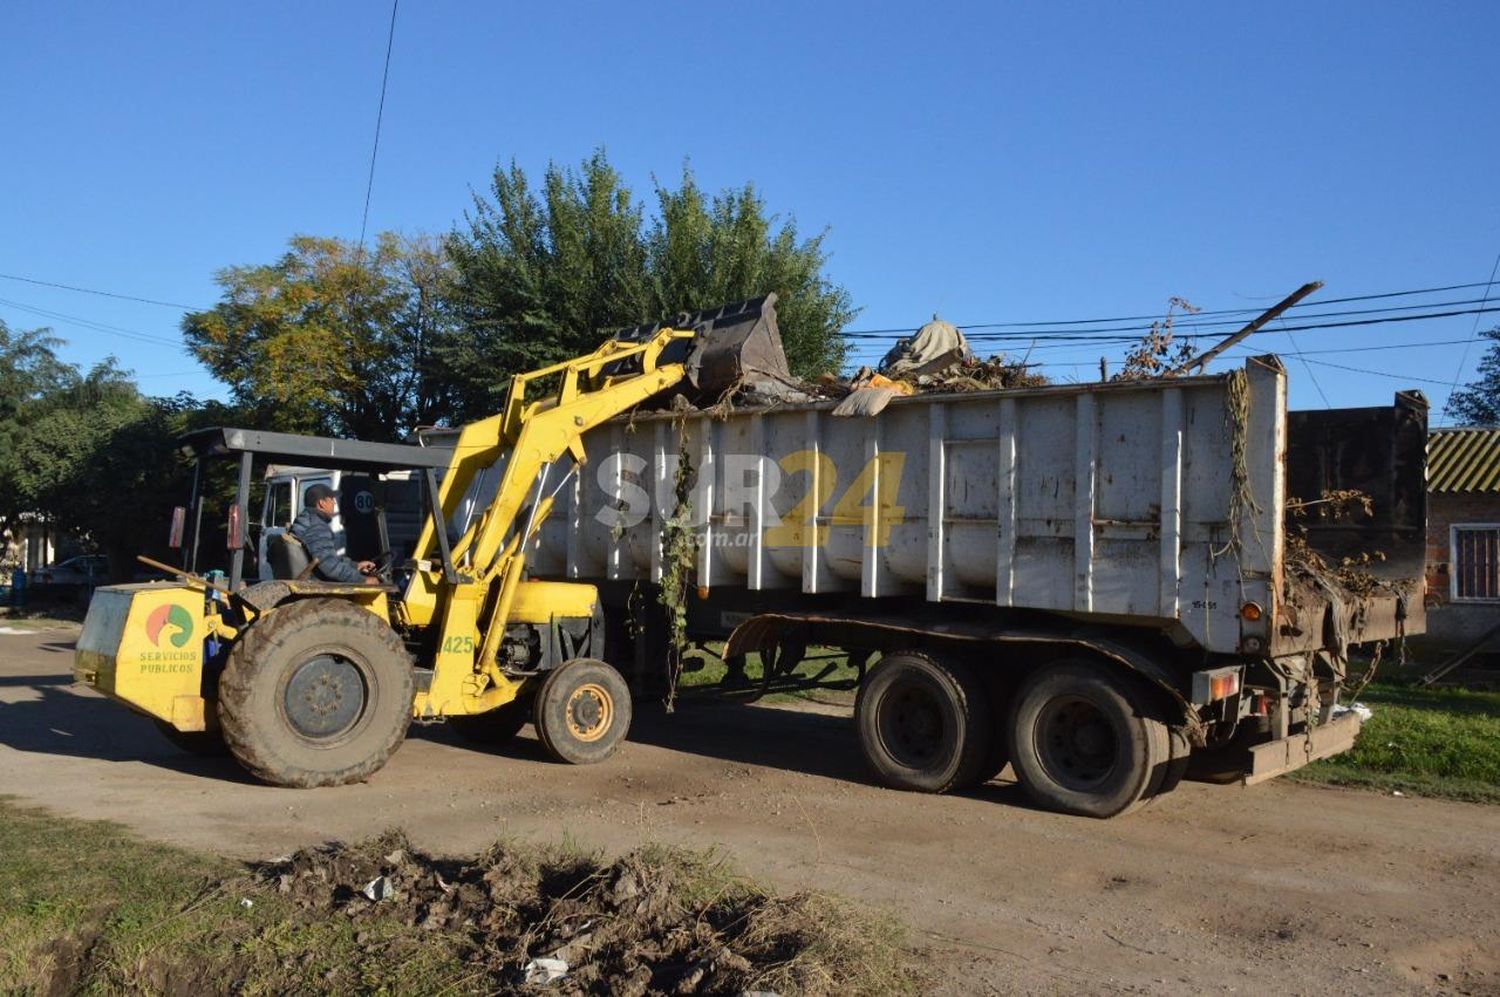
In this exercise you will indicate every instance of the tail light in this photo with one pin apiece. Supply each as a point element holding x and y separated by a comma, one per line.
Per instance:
<point>236,534</point>
<point>1214,685</point>
<point>179,525</point>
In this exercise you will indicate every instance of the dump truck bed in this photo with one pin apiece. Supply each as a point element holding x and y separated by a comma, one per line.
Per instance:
<point>1152,503</point>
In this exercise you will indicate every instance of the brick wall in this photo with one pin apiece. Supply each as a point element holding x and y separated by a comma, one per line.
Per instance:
<point>1450,625</point>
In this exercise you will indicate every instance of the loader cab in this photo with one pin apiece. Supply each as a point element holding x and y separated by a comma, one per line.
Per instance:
<point>272,473</point>
<point>360,526</point>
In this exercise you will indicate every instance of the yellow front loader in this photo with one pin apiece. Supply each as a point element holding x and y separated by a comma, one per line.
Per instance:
<point>310,683</point>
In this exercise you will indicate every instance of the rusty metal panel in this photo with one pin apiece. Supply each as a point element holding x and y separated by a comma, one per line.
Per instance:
<point>1381,452</point>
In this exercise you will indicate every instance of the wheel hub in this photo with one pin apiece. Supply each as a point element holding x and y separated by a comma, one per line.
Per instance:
<point>590,712</point>
<point>325,697</point>
<point>1077,744</point>
<point>911,725</point>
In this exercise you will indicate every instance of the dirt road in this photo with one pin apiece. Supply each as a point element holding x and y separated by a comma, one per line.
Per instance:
<point>1283,887</point>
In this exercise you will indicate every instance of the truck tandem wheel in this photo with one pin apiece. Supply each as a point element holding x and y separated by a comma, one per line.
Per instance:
<point>924,724</point>
<point>582,711</point>
<point>1081,742</point>
<point>316,693</point>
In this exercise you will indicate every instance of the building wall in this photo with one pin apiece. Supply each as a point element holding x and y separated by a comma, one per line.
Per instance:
<point>1452,625</point>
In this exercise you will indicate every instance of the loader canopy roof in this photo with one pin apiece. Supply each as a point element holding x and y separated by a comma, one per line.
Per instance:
<point>314,451</point>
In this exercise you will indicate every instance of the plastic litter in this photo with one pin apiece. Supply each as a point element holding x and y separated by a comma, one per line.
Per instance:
<point>378,889</point>
<point>544,970</point>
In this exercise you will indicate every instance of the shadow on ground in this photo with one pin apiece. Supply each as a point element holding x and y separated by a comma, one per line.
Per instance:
<point>60,722</point>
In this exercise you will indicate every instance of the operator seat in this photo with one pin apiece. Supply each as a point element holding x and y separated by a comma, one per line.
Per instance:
<point>289,560</point>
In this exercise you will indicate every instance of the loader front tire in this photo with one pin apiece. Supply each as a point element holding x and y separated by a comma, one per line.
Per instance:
<point>582,711</point>
<point>316,693</point>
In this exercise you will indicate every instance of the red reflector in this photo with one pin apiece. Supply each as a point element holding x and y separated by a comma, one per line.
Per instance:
<point>1224,686</point>
<point>236,534</point>
<point>179,522</point>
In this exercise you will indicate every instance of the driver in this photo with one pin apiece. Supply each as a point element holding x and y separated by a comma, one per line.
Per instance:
<point>312,529</point>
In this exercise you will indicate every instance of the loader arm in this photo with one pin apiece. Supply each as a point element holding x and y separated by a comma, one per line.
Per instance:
<point>527,438</point>
<point>532,434</point>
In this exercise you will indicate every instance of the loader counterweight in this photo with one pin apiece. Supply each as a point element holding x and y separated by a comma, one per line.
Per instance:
<point>143,644</point>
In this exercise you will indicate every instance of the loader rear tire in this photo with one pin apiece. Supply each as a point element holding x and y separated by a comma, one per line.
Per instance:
<point>1083,740</point>
<point>316,693</point>
<point>924,724</point>
<point>582,711</point>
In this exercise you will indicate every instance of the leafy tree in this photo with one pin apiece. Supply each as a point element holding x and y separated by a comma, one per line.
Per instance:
<point>540,277</point>
<point>331,339</point>
<point>88,453</point>
<point>1478,402</point>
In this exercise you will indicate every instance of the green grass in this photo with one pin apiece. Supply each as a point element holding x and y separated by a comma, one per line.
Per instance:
<point>1423,742</point>
<point>714,670</point>
<point>85,907</point>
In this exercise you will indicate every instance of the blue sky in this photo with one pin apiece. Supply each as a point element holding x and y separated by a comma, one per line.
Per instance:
<point>991,162</point>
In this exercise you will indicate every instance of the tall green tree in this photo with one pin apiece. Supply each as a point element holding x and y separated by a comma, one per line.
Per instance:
<point>29,369</point>
<point>540,276</point>
<point>330,338</point>
<point>87,453</point>
<point>1478,402</point>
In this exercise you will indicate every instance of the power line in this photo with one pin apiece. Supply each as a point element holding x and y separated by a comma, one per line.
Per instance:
<point>1465,358</point>
<point>379,116</point>
<point>1134,331</point>
<point>1378,373</point>
<point>102,294</point>
<point>1152,318</point>
<point>113,330</point>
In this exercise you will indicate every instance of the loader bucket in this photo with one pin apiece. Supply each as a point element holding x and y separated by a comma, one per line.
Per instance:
<point>736,346</point>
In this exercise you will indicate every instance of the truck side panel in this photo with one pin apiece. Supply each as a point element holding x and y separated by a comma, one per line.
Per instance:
<point>1109,500</point>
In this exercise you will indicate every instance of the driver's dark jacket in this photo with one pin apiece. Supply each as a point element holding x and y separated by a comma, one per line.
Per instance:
<point>312,529</point>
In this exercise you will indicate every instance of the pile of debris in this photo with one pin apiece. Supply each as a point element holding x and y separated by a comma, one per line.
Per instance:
<point>655,921</point>
<point>936,360</point>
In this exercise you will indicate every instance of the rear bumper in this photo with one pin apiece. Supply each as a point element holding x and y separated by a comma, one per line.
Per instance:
<point>1289,754</point>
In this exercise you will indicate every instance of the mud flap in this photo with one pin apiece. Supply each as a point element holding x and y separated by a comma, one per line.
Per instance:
<point>1291,753</point>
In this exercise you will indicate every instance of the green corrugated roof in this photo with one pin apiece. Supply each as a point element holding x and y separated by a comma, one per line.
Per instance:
<point>1463,460</point>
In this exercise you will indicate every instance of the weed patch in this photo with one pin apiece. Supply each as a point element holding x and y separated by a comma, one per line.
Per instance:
<point>1427,742</point>
<point>85,907</point>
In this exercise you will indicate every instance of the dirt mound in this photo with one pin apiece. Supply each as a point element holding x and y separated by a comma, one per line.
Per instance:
<point>654,921</point>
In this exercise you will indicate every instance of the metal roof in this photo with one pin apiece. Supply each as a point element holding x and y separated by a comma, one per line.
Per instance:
<point>1464,460</point>
<point>312,451</point>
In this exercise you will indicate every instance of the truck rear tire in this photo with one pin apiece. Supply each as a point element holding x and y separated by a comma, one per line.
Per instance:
<point>1082,742</point>
<point>496,727</point>
<point>924,725</point>
<point>317,693</point>
<point>582,711</point>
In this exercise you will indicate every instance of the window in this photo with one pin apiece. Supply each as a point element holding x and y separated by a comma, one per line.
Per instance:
<point>278,504</point>
<point>1476,563</point>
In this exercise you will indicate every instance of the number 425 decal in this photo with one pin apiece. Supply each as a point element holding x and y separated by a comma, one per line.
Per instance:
<point>458,645</point>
